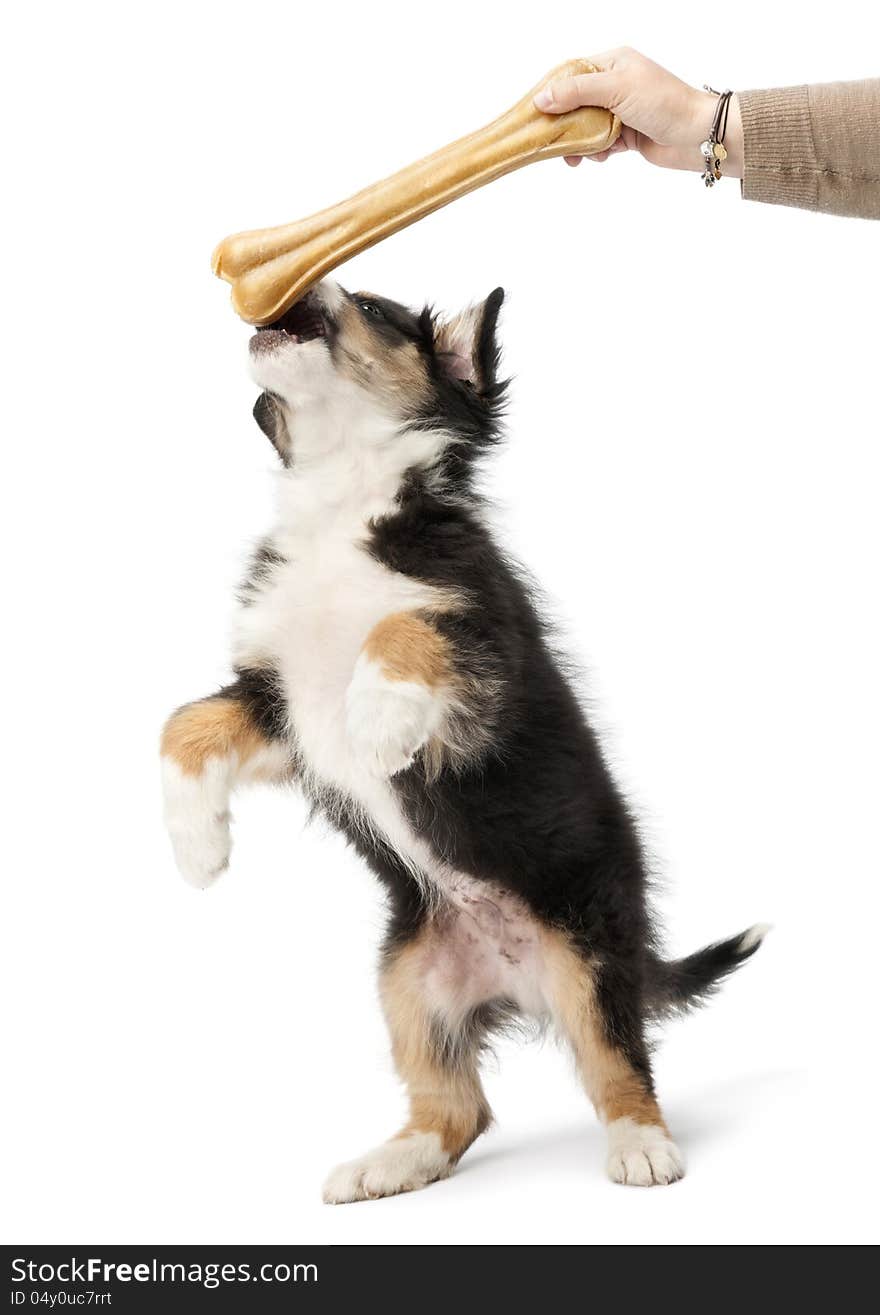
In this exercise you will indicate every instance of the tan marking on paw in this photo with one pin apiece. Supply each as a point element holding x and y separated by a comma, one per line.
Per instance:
<point>212,728</point>
<point>407,647</point>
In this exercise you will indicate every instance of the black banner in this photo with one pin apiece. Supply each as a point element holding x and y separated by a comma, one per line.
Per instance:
<point>219,1278</point>
<point>267,1278</point>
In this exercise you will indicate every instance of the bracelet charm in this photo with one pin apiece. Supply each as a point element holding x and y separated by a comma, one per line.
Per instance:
<point>713,149</point>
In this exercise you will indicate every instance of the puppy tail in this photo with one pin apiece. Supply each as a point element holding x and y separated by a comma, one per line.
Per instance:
<point>687,983</point>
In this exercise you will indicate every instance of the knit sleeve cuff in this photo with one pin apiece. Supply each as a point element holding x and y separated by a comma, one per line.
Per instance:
<point>779,157</point>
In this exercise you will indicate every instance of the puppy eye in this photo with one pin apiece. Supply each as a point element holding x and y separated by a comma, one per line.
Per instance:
<point>370,308</point>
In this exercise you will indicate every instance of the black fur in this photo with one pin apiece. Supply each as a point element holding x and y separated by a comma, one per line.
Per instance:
<point>687,983</point>
<point>265,557</point>
<point>262,697</point>
<point>270,418</point>
<point>539,814</point>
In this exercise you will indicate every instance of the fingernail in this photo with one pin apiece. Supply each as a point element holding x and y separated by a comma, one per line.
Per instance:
<point>544,99</point>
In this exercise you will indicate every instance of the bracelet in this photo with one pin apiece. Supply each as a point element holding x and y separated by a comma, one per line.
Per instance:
<point>712,149</point>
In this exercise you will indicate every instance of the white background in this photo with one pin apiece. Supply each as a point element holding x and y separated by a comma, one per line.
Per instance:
<point>691,473</point>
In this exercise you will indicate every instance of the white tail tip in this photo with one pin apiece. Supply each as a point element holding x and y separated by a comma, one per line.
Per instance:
<point>751,939</point>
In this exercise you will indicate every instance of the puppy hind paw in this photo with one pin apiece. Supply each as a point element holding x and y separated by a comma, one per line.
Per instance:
<point>642,1155</point>
<point>404,1164</point>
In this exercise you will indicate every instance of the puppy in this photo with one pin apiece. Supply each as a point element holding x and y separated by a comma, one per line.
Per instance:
<point>389,658</point>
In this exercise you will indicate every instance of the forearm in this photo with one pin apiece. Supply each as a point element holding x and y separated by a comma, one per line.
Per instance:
<point>816,147</point>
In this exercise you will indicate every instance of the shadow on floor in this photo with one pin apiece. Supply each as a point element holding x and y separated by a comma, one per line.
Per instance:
<point>708,1115</point>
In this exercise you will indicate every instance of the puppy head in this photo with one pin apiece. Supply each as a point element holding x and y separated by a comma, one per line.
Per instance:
<point>364,365</point>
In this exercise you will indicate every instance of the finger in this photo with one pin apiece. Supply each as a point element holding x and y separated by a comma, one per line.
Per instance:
<point>607,60</point>
<point>564,94</point>
<point>600,156</point>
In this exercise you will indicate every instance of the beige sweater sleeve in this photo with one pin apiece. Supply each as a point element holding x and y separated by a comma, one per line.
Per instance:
<point>816,147</point>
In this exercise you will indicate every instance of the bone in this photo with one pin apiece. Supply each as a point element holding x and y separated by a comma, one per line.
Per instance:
<point>271,268</point>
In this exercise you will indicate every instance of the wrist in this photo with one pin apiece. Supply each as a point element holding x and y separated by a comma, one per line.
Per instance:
<point>733,140</point>
<point>695,126</point>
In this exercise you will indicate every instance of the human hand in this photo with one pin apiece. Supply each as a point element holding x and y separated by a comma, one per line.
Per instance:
<point>663,118</point>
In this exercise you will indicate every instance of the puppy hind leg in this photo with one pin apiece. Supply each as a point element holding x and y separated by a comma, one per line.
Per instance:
<point>448,1108</point>
<point>602,1022</point>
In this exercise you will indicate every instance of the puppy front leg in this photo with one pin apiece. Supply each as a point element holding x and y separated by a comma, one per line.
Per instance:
<point>400,695</point>
<point>208,748</point>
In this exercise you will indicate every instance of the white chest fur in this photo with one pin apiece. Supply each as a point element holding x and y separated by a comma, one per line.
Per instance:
<point>311,620</point>
<point>308,619</point>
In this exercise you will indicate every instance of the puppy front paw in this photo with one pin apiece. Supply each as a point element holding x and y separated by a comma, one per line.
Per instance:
<point>202,852</point>
<point>197,817</point>
<point>388,721</point>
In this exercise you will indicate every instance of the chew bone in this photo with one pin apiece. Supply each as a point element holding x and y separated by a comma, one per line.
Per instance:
<point>271,268</point>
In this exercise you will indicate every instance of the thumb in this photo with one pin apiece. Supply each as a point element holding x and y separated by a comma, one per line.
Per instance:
<point>564,94</point>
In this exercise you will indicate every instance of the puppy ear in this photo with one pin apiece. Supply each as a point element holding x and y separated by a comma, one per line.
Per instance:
<point>270,417</point>
<point>467,344</point>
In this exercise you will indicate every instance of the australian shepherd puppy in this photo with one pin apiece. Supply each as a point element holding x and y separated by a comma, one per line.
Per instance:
<point>389,659</point>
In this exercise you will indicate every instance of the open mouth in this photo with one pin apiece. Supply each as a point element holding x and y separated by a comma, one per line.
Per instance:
<point>302,323</point>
